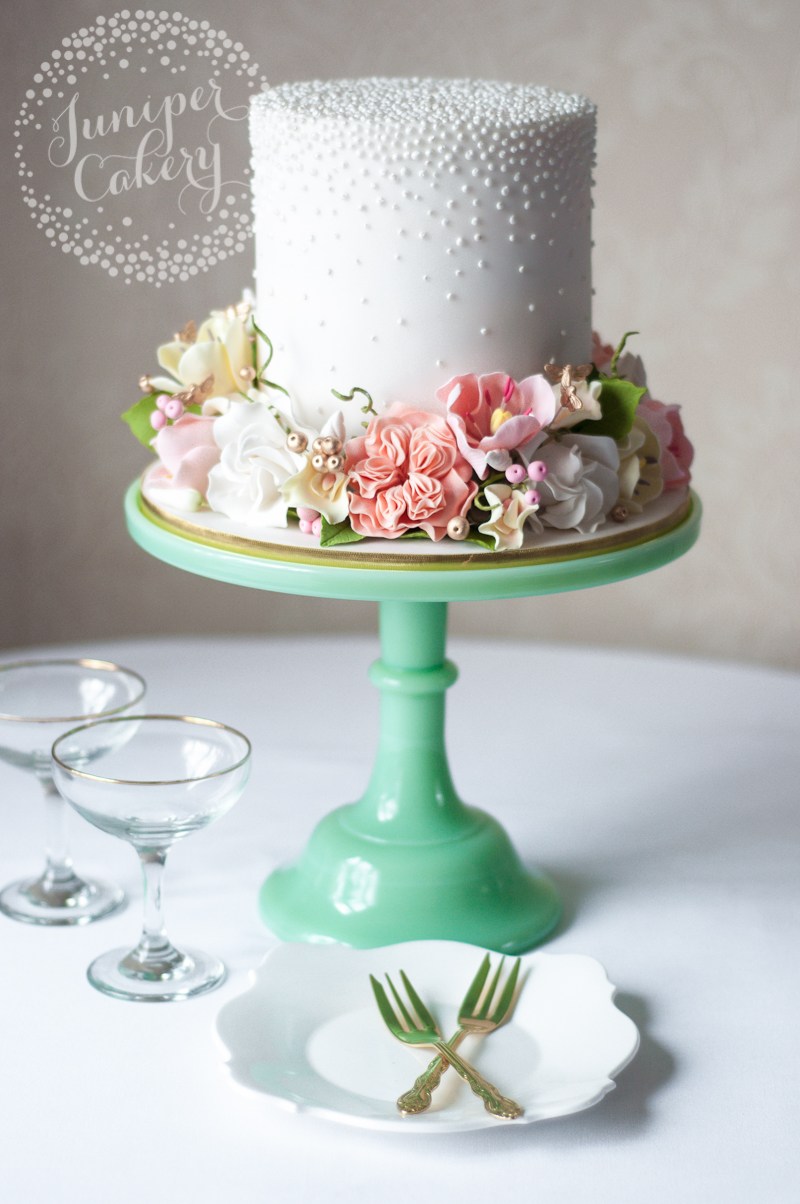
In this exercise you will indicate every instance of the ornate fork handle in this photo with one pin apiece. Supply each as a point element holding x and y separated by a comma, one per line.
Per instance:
<point>493,1101</point>
<point>418,1098</point>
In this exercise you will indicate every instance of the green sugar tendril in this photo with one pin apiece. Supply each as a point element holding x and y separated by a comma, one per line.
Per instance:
<point>369,408</point>
<point>620,349</point>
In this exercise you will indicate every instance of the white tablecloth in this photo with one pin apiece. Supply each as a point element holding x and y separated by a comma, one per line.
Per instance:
<point>661,794</point>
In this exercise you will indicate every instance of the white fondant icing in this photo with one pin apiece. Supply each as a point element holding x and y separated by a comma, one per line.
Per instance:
<point>407,230</point>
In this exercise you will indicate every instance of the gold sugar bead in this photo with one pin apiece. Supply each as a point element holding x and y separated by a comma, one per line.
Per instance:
<point>297,441</point>
<point>331,446</point>
<point>319,462</point>
<point>145,384</point>
<point>334,463</point>
<point>619,513</point>
<point>316,446</point>
<point>458,528</point>
<point>247,373</point>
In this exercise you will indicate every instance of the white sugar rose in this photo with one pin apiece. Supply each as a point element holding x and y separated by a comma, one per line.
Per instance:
<point>254,466</point>
<point>582,482</point>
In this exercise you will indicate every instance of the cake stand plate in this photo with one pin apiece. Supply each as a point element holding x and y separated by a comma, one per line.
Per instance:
<point>410,860</point>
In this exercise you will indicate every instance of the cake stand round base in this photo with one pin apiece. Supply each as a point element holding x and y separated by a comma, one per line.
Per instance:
<point>363,892</point>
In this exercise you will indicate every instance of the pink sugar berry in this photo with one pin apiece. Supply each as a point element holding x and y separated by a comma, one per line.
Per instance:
<point>532,497</point>
<point>306,527</point>
<point>537,470</point>
<point>174,409</point>
<point>162,400</point>
<point>515,473</point>
<point>316,527</point>
<point>306,514</point>
<point>158,420</point>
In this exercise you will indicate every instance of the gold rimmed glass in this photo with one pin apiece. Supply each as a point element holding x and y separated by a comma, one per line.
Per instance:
<point>39,700</point>
<point>151,781</point>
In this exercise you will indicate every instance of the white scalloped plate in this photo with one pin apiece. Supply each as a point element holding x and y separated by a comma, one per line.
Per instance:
<point>308,1036</point>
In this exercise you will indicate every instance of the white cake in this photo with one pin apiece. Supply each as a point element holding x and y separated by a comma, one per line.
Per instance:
<point>419,361</point>
<point>409,230</point>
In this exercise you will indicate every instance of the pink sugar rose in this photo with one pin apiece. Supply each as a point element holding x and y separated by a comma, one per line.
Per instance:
<point>406,471</point>
<point>677,452</point>
<point>493,415</point>
<point>187,452</point>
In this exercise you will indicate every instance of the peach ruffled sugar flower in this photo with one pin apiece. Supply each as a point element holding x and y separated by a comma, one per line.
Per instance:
<point>407,471</point>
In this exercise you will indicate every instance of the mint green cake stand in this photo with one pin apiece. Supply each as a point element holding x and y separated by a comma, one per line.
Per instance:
<point>409,860</point>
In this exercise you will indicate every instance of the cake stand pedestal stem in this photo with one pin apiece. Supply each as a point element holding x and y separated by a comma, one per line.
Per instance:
<point>411,795</point>
<point>409,860</point>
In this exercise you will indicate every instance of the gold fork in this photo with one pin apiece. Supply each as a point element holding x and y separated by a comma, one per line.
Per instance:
<point>475,1016</point>
<point>420,1029</point>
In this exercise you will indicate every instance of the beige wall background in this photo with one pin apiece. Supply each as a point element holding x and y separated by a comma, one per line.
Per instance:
<point>697,232</point>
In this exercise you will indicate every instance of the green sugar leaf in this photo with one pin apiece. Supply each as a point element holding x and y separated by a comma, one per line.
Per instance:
<point>138,418</point>
<point>618,401</point>
<point>335,534</point>
<point>480,537</point>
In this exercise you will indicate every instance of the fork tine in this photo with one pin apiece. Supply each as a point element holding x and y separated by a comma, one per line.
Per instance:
<point>419,1007</point>
<point>504,1002</point>
<point>489,996</point>
<point>385,1008</point>
<point>472,996</point>
<point>404,1012</point>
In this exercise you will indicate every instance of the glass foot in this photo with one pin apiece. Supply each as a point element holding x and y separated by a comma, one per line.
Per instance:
<point>55,902</point>
<point>117,973</point>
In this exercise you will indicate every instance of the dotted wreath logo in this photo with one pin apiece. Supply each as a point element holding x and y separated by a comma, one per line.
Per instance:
<point>132,147</point>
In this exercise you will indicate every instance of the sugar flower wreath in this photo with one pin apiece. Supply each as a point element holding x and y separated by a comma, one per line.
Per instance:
<point>566,448</point>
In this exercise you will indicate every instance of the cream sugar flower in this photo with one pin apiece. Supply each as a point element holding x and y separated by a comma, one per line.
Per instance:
<point>222,349</point>
<point>321,490</point>
<point>508,517</point>
<point>589,396</point>
<point>254,466</point>
<point>640,477</point>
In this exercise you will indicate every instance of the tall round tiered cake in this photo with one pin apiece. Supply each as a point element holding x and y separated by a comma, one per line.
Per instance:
<point>419,360</point>
<point>407,231</point>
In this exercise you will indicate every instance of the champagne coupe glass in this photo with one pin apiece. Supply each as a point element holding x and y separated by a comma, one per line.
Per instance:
<point>39,700</point>
<point>152,781</point>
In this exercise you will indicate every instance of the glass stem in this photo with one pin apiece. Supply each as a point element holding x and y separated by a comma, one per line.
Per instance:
<point>154,942</point>
<point>59,863</point>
